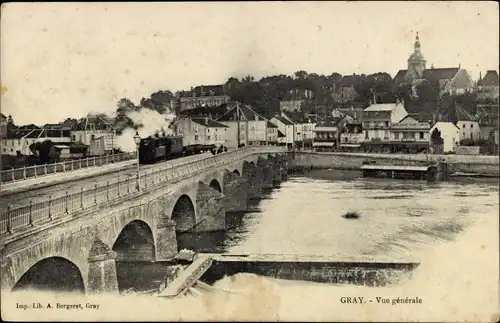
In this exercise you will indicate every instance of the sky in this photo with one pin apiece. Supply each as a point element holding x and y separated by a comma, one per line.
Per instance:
<point>62,60</point>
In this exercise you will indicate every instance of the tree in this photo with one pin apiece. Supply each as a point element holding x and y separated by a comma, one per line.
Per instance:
<point>436,138</point>
<point>45,151</point>
<point>427,91</point>
<point>437,141</point>
<point>122,121</point>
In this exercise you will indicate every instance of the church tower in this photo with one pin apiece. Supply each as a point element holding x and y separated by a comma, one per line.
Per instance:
<point>416,64</point>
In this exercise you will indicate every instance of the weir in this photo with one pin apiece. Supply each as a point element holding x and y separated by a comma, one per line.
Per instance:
<point>370,271</point>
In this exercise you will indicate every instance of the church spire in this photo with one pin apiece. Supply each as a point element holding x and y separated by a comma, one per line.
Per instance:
<point>417,44</point>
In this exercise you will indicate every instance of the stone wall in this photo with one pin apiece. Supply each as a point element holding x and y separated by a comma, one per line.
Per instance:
<point>486,165</point>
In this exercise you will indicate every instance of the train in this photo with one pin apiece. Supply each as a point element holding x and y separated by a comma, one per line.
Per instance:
<point>158,148</point>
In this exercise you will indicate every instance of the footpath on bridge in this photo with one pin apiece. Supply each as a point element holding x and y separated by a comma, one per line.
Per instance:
<point>52,179</point>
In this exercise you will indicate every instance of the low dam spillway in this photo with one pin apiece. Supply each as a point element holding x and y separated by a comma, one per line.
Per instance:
<point>366,271</point>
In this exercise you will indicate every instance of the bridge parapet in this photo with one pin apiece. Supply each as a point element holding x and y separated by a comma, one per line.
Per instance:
<point>24,173</point>
<point>15,221</point>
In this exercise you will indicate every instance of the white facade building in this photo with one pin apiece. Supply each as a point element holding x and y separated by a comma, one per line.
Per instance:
<point>252,126</point>
<point>201,131</point>
<point>20,141</point>
<point>450,134</point>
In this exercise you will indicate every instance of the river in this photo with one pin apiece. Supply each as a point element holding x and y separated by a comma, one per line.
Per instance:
<point>451,227</point>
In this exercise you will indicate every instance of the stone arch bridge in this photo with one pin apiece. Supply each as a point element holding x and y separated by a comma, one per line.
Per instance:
<point>140,227</point>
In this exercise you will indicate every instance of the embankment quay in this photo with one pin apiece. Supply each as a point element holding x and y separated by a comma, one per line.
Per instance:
<point>458,164</point>
<point>84,234</point>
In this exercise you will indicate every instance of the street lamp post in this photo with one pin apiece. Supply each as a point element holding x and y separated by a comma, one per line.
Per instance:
<point>137,140</point>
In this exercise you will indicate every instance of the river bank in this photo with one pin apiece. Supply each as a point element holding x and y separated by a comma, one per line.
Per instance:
<point>461,165</point>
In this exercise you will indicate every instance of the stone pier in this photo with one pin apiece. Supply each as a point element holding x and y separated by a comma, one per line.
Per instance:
<point>102,269</point>
<point>254,177</point>
<point>235,190</point>
<point>276,165</point>
<point>166,241</point>
<point>210,208</point>
<point>267,172</point>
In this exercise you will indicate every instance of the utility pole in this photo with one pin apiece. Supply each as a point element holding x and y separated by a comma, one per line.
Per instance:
<point>238,119</point>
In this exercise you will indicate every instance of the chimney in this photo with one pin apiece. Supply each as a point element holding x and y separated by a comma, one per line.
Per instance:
<point>206,120</point>
<point>374,98</point>
<point>370,102</point>
<point>397,101</point>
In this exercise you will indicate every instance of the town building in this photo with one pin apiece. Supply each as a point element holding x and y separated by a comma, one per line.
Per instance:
<point>344,91</point>
<point>327,134</point>
<point>449,80</point>
<point>286,127</point>
<point>201,96</point>
<point>3,126</point>
<point>352,135</point>
<point>273,133</point>
<point>245,126</point>
<point>449,132</point>
<point>18,142</point>
<point>468,126</point>
<point>291,105</point>
<point>201,130</point>
<point>379,118</point>
<point>487,86</point>
<point>303,127</point>
<point>97,132</point>
<point>410,131</point>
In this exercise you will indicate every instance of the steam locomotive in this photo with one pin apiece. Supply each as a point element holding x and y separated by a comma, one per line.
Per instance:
<point>157,148</point>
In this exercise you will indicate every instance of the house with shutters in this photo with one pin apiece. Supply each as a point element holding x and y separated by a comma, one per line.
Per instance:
<point>245,126</point>
<point>200,130</point>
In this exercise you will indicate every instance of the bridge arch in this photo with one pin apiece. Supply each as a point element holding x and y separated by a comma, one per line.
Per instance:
<point>237,172</point>
<point>53,274</point>
<point>135,242</point>
<point>252,163</point>
<point>215,185</point>
<point>183,214</point>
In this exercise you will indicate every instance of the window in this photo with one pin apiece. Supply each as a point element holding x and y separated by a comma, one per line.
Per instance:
<point>472,125</point>
<point>196,137</point>
<point>92,137</point>
<point>421,135</point>
<point>463,126</point>
<point>4,150</point>
<point>19,141</point>
<point>387,123</point>
<point>73,137</point>
<point>208,129</point>
<point>396,135</point>
<point>208,138</point>
<point>366,134</point>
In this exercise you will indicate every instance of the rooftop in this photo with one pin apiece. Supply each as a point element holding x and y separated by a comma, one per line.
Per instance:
<point>208,122</point>
<point>98,122</point>
<point>283,120</point>
<point>382,107</point>
<point>243,111</point>
<point>490,79</point>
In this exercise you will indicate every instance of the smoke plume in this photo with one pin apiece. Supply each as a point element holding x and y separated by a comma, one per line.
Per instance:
<point>149,122</point>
